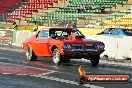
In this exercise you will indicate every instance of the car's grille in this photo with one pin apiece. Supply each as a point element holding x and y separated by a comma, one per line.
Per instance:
<point>81,47</point>
<point>91,46</point>
<point>77,46</point>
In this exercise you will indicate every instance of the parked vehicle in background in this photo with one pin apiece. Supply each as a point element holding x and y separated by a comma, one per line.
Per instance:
<point>63,44</point>
<point>116,32</point>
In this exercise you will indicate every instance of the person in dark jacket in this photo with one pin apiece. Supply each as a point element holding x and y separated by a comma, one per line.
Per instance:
<point>69,25</point>
<point>35,27</point>
<point>74,26</point>
<point>15,26</point>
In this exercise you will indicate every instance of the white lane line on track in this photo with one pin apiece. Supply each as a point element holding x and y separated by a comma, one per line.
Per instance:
<point>60,80</point>
<point>47,73</point>
<point>68,81</point>
<point>6,73</point>
<point>13,50</point>
<point>4,58</point>
<point>10,49</point>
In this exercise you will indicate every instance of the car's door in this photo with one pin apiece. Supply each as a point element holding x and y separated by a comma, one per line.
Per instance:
<point>41,43</point>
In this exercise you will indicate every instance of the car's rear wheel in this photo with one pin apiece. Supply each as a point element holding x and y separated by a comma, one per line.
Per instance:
<point>95,60</point>
<point>57,57</point>
<point>30,54</point>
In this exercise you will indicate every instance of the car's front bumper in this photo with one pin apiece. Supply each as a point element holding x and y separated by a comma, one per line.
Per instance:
<point>82,53</point>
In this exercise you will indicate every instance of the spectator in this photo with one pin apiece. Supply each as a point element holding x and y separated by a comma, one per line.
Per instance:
<point>92,7</point>
<point>102,9</point>
<point>75,26</point>
<point>81,9</point>
<point>69,25</point>
<point>35,27</point>
<point>15,26</point>
<point>87,7</point>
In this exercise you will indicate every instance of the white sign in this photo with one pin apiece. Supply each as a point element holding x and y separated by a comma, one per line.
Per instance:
<point>2,33</point>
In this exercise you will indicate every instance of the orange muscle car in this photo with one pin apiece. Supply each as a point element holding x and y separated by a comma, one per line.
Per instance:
<point>62,44</point>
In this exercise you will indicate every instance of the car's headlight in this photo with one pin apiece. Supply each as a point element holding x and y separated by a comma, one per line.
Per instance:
<point>101,46</point>
<point>67,46</point>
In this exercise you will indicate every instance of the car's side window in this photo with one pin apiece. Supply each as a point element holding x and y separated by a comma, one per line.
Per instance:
<point>43,34</point>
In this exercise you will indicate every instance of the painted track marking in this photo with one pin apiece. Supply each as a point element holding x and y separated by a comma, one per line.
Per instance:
<point>67,81</point>
<point>44,76</point>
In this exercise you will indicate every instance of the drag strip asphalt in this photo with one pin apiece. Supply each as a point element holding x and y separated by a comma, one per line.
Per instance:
<point>16,71</point>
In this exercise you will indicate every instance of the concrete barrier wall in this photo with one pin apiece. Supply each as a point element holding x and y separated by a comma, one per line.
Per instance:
<point>21,36</point>
<point>90,31</point>
<point>124,47</point>
<point>115,47</point>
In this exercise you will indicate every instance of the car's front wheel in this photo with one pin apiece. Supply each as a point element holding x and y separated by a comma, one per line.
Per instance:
<point>95,60</point>
<point>30,54</point>
<point>57,57</point>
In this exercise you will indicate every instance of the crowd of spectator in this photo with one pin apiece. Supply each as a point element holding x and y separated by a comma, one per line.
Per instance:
<point>86,7</point>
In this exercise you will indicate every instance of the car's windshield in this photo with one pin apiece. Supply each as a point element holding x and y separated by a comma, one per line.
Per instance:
<point>64,33</point>
<point>128,32</point>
